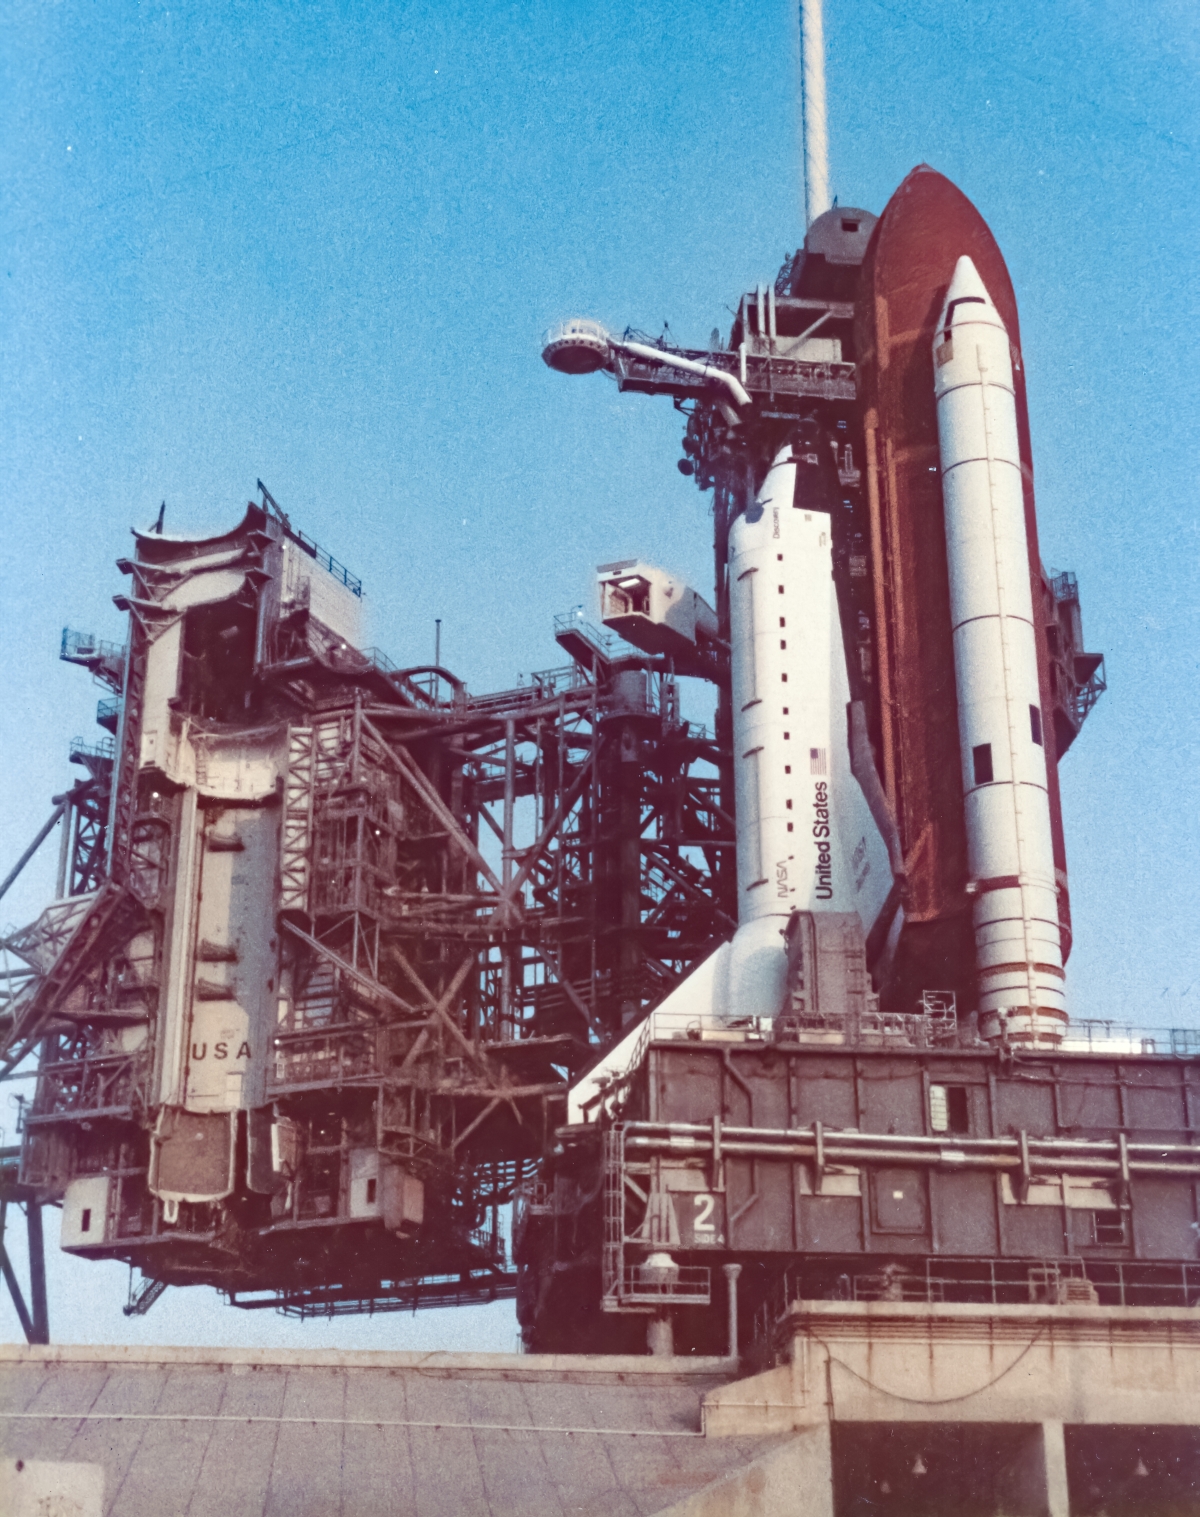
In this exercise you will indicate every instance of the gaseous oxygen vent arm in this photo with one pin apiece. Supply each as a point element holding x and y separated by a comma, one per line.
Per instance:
<point>581,346</point>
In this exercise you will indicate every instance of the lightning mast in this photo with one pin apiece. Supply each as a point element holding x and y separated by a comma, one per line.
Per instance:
<point>814,129</point>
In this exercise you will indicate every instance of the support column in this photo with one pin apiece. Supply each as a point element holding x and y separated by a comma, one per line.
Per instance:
<point>507,1030</point>
<point>34,1319</point>
<point>660,1336</point>
<point>10,1279</point>
<point>794,1477</point>
<point>64,852</point>
<point>1054,1448</point>
<point>38,1308</point>
<point>813,1464</point>
<point>60,807</point>
<point>732,1271</point>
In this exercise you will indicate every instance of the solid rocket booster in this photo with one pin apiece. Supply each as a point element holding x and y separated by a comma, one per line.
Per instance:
<point>1018,952</point>
<point>806,839</point>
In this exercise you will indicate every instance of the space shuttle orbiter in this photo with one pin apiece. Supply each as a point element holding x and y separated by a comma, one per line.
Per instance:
<point>812,859</point>
<point>815,871</point>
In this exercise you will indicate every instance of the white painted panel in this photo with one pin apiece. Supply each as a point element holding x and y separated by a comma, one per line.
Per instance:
<point>171,1042</point>
<point>307,583</point>
<point>205,588</point>
<point>365,1198</point>
<point>235,969</point>
<point>219,1047</point>
<point>85,1212</point>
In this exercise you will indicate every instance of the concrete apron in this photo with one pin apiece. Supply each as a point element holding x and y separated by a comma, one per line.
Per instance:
<point>1036,1369</point>
<point>794,1479</point>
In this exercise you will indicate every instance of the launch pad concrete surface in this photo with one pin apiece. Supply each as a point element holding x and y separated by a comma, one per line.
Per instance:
<point>914,1361</point>
<point>227,1432</point>
<point>1031,1411</point>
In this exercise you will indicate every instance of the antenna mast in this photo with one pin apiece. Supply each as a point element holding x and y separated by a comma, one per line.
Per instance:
<point>812,104</point>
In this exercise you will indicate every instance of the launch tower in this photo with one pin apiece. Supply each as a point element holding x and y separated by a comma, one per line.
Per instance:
<point>346,959</point>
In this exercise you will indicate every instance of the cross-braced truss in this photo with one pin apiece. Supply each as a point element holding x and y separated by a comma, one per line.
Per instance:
<point>472,898</point>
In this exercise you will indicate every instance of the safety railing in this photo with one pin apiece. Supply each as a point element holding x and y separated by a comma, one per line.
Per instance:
<point>326,561</point>
<point>79,647</point>
<point>81,749</point>
<point>666,1284</point>
<point>1094,1035</point>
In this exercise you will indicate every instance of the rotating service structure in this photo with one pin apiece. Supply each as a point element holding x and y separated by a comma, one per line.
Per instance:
<point>307,1008</point>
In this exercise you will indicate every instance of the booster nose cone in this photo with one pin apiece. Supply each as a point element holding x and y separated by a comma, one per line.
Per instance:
<point>966,283</point>
<point>967,293</point>
<point>578,346</point>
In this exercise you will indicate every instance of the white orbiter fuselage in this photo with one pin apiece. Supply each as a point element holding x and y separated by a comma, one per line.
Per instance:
<point>806,838</point>
<point>807,841</point>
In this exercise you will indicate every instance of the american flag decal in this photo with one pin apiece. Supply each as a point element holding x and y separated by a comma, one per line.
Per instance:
<point>816,761</point>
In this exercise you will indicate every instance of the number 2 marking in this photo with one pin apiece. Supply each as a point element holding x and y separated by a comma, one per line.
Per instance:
<point>704,1211</point>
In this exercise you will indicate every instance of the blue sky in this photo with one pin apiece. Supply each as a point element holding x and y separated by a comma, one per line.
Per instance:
<point>318,245</point>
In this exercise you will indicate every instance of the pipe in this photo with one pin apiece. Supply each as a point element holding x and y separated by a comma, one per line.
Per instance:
<point>35,845</point>
<point>677,1131</point>
<point>812,103</point>
<point>882,630</point>
<point>1021,1153</point>
<point>837,1154</point>
<point>812,327</point>
<point>689,365</point>
<point>451,679</point>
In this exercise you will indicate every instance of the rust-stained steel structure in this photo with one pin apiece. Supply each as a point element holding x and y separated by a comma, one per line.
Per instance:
<point>332,936</point>
<point>891,1160</point>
